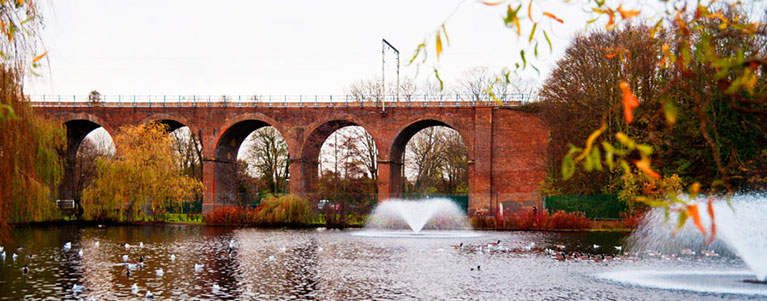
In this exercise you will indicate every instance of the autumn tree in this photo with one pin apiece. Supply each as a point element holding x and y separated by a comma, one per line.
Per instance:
<point>584,84</point>
<point>30,168</point>
<point>144,180</point>
<point>94,146</point>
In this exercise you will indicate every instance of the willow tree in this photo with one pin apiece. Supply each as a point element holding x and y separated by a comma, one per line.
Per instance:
<point>30,168</point>
<point>144,180</point>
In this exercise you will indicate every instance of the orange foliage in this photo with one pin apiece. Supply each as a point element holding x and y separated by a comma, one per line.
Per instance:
<point>630,102</point>
<point>692,211</point>
<point>644,166</point>
<point>550,15</point>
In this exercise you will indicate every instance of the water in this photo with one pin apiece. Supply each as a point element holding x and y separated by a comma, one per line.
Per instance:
<point>437,213</point>
<point>326,264</point>
<point>740,237</point>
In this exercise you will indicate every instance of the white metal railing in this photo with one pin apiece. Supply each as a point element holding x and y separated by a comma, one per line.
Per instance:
<point>422,100</point>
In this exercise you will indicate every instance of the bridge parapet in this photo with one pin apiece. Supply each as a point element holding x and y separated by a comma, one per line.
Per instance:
<point>281,101</point>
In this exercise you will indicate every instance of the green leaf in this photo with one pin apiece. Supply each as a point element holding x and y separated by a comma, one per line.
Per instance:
<point>6,112</point>
<point>568,166</point>
<point>625,140</point>
<point>532,32</point>
<point>535,49</point>
<point>682,219</point>
<point>524,61</point>
<point>417,52</point>
<point>644,149</point>
<point>548,41</point>
<point>441,84</point>
<point>596,158</point>
<point>669,109</point>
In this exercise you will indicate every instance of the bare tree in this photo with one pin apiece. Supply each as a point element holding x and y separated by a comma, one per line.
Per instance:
<point>349,146</point>
<point>436,160</point>
<point>190,151</point>
<point>269,157</point>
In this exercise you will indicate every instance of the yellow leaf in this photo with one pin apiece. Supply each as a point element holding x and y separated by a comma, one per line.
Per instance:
<point>694,190</point>
<point>39,57</point>
<point>439,45</point>
<point>590,141</point>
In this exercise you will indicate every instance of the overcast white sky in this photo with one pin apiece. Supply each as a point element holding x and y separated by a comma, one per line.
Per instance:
<point>269,47</point>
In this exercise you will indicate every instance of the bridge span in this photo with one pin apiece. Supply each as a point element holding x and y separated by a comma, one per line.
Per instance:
<point>506,147</point>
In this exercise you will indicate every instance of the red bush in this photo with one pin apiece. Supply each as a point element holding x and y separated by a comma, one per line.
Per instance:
<point>229,216</point>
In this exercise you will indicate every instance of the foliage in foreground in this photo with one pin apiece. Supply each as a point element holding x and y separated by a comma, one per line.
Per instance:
<point>144,180</point>
<point>290,210</point>
<point>30,169</point>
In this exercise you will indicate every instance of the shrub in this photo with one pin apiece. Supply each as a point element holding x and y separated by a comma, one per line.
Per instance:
<point>284,210</point>
<point>228,215</point>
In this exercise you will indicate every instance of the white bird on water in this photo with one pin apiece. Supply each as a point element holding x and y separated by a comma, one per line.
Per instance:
<point>141,244</point>
<point>271,257</point>
<point>596,246</point>
<point>96,243</point>
<point>216,288</point>
<point>619,248</point>
<point>77,288</point>
<point>80,253</point>
<point>159,272</point>
<point>125,257</point>
<point>134,288</point>
<point>2,255</point>
<point>149,295</point>
<point>172,257</point>
<point>67,246</point>
<point>127,246</point>
<point>14,256</point>
<point>1,248</point>
<point>198,266</point>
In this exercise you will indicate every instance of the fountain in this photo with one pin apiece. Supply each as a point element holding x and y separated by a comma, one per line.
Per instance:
<point>433,217</point>
<point>740,233</point>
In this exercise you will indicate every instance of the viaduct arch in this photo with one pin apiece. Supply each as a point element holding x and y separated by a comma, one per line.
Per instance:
<point>506,147</point>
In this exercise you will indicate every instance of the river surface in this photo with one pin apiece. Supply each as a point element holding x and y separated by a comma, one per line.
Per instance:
<point>323,264</point>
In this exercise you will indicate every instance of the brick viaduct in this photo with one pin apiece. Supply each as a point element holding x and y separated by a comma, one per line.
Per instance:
<point>506,148</point>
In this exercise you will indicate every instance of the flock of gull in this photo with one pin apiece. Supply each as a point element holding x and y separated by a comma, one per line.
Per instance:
<point>559,253</point>
<point>127,263</point>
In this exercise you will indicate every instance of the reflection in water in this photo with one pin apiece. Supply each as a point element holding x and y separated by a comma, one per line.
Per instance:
<point>311,264</point>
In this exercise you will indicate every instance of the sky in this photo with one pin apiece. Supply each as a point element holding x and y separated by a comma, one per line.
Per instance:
<point>231,47</point>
